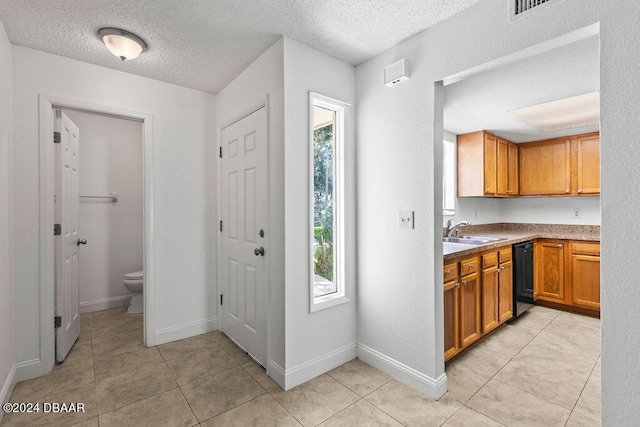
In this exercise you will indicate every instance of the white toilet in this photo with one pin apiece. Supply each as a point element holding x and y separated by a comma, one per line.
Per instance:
<point>133,282</point>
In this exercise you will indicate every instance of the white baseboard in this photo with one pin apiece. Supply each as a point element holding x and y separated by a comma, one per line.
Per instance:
<point>185,330</point>
<point>104,303</point>
<point>318,366</point>
<point>276,372</point>
<point>7,388</point>
<point>434,388</point>
<point>31,369</point>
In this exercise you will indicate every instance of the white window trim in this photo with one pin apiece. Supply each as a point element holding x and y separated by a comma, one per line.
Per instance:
<point>448,210</point>
<point>339,297</point>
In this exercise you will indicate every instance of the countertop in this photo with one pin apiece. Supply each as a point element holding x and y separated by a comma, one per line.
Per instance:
<point>516,233</point>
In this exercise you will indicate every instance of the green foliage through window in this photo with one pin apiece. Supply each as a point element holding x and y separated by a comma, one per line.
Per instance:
<point>323,200</point>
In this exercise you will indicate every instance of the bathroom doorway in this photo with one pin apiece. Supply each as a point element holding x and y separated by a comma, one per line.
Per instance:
<point>143,121</point>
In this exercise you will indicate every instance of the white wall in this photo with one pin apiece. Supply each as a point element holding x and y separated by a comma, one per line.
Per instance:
<point>400,272</point>
<point>265,76</point>
<point>183,199</point>
<point>538,210</point>
<point>320,341</point>
<point>7,371</point>
<point>110,161</point>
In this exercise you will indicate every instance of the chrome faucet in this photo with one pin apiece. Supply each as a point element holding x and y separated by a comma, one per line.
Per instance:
<point>450,227</point>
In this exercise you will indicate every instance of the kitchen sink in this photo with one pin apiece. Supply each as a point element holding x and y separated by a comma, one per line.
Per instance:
<point>472,240</point>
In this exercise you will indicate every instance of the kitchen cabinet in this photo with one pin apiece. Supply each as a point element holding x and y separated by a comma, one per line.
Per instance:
<point>588,164</point>
<point>505,285</point>
<point>567,275</point>
<point>545,167</point>
<point>462,305</point>
<point>451,312</point>
<point>585,275</point>
<point>470,326</point>
<point>568,166</point>
<point>486,166</point>
<point>497,289</point>
<point>477,297</point>
<point>549,281</point>
<point>490,292</point>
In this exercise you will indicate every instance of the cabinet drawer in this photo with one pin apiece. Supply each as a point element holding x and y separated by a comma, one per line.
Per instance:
<point>490,260</point>
<point>505,255</point>
<point>468,266</point>
<point>450,271</point>
<point>586,248</point>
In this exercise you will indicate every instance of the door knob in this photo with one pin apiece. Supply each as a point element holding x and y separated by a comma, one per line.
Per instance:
<point>259,252</point>
<point>81,242</point>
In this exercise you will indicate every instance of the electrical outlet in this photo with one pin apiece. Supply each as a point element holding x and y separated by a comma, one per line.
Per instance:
<point>405,219</point>
<point>575,213</point>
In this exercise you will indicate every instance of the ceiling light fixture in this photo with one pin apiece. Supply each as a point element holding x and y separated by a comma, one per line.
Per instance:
<point>563,113</point>
<point>121,43</point>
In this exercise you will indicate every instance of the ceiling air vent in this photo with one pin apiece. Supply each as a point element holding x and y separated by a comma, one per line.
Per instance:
<point>520,7</point>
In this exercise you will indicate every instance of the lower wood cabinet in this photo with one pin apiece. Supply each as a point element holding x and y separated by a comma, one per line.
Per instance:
<point>477,297</point>
<point>585,275</point>
<point>567,274</point>
<point>549,281</point>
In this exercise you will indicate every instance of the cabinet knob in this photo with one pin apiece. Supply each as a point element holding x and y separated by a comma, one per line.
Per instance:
<point>447,272</point>
<point>567,191</point>
<point>560,245</point>
<point>580,191</point>
<point>464,283</point>
<point>457,284</point>
<point>488,190</point>
<point>470,265</point>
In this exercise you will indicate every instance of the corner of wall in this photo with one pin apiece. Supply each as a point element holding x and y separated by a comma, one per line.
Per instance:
<point>435,388</point>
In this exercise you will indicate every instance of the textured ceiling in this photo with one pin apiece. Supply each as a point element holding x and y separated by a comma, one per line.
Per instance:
<point>204,44</point>
<point>484,100</point>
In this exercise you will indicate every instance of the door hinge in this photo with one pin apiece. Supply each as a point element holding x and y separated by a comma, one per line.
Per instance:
<point>220,225</point>
<point>220,152</point>
<point>57,229</point>
<point>57,321</point>
<point>220,299</point>
<point>56,137</point>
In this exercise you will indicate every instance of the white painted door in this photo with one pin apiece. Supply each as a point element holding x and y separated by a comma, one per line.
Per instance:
<point>244,236</point>
<point>67,244</point>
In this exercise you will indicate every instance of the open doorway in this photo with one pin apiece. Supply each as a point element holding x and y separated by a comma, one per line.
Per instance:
<point>484,101</point>
<point>47,283</point>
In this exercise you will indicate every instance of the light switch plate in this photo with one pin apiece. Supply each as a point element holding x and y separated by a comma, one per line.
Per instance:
<point>405,219</point>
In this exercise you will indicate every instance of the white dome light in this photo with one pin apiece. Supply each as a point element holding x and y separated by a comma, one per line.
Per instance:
<point>121,43</point>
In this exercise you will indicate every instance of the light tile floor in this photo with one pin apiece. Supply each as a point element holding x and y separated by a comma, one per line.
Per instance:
<point>543,370</point>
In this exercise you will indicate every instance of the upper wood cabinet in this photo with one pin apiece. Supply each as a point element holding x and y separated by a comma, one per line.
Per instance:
<point>568,166</point>
<point>486,166</point>
<point>588,164</point>
<point>545,167</point>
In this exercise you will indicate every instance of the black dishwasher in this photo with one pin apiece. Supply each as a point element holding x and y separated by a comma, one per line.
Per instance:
<point>522,278</point>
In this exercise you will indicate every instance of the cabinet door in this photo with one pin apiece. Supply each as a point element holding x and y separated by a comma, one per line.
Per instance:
<point>490,292</point>
<point>549,280</point>
<point>588,164</point>
<point>470,326</point>
<point>545,167</point>
<point>505,291</point>
<point>490,167</point>
<point>512,157</point>
<point>451,318</point>
<point>585,278</point>
<point>502,167</point>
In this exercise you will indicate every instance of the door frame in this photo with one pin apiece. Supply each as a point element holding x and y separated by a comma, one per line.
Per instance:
<point>46,104</point>
<point>252,108</point>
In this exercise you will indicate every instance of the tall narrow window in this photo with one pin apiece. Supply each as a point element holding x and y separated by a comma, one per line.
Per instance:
<point>327,196</point>
<point>449,176</point>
